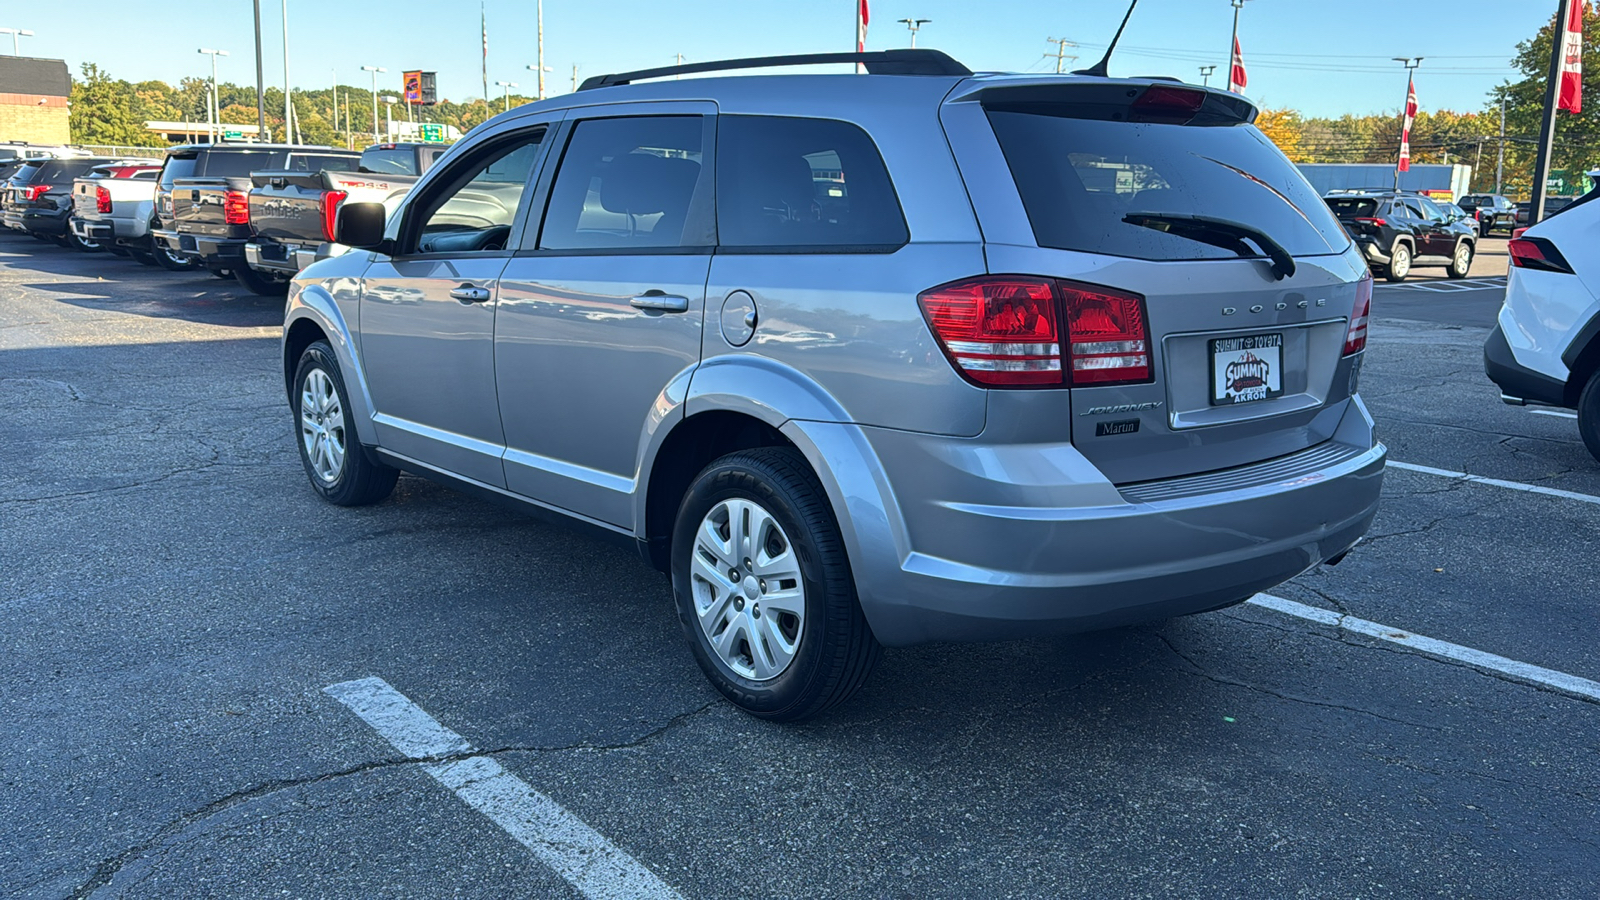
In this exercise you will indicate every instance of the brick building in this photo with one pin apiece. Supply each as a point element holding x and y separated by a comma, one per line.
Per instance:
<point>33,100</point>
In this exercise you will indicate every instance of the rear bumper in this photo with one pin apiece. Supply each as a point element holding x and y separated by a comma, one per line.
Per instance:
<point>1372,252</point>
<point>1516,381</point>
<point>275,257</point>
<point>47,222</point>
<point>94,231</point>
<point>1069,551</point>
<point>206,249</point>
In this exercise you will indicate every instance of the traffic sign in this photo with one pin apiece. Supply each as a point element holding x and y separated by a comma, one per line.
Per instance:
<point>431,132</point>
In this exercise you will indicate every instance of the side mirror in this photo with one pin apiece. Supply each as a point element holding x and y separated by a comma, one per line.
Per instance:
<point>360,225</point>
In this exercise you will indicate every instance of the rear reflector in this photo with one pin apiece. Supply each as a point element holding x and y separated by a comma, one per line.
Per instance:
<point>1537,253</point>
<point>1355,337</point>
<point>1006,331</point>
<point>102,199</point>
<point>236,208</point>
<point>330,212</point>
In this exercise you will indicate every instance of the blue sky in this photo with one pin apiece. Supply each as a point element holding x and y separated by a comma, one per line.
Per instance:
<point>1323,58</point>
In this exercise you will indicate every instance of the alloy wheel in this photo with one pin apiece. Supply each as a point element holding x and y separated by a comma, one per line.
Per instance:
<point>749,596</point>
<point>322,426</point>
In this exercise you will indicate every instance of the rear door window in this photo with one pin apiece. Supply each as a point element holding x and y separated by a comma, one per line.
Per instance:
<point>793,184</point>
<point>1080,179</point>
<point>178,167</point>
<point>630,184</point>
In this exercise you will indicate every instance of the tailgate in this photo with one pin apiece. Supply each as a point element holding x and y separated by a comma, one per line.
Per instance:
<point>287,206</point>
<point>198,206</point>
<point>85,204</point>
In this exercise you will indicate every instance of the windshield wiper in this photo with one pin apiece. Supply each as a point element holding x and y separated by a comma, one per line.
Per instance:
<point>1208,229</point>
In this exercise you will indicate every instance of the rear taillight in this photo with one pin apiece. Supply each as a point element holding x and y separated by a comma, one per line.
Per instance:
<point>330,212</point>
<point>1537,253</point>
<point>1371,220</point>
<point>1160,98</point>
<point>236,208</point>
<point>1355,337</point>
<point>1007,331</point>
<point>102,199</point>
<point>34,191</point>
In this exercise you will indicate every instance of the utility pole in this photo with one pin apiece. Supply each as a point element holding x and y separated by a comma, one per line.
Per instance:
<point>261,90</point>
<point>574,78</point>
<point>388,109</point>
<point>508,85</point>
<point>374,70</point>
<point>1500,163</point>
<point>1061,52</point>
<point>215,112</point>
<point>335,102</point>
<point>680,62</point>
<point>1411,64</point>
<point>288,107</point>
<point>1547,128</point>
<point>15,33</point>
<point>542,69</point>
<point>915,25</point>
<point>1205,75</point>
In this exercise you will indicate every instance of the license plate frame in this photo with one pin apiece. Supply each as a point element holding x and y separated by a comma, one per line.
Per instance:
<point>1246,368</point>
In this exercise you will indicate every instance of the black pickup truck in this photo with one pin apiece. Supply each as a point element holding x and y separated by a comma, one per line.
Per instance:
<point>293,212</point>
<point>203,204</point>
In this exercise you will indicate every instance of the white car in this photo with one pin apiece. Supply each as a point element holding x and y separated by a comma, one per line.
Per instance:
<point>1546,347</point>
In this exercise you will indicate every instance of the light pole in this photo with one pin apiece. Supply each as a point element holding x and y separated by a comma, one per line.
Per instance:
<point>1410,62</point>
<point>508,85</point>
<point>261,91</point>
<point>1205,75</point>
<point>214,113</point>
<point>374,70</point>
<point>388,109</point>
<point>288,104</point>
<point>541,70</point>
<point>14,32</point>
<point>915,25</point>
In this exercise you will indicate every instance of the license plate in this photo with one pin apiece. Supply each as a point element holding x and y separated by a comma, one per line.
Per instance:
<point>1247,368</point>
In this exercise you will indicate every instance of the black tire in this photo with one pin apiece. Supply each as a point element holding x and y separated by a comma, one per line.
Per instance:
<point>143,257</point>
<point>836,649</point>
<point>1458,267</point>
<point>119,251</point>
<point>1589,415</point>
<point>257,283</point>
<point>362,480</point>
<point>224,274</point>
<point>1399,264</point>
<point>166,259</point>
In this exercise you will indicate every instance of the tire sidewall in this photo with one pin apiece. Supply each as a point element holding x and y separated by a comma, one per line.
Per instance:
<point>1398,273</point>
<point>1589,415</point>
<point>735,478</point>
<point>1454,257</point>
<point>320,356</point>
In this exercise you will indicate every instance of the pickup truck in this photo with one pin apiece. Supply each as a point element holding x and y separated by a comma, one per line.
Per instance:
<point>293,213</point>
<point>205,215</point>
<point>38,199</point>
<point>111,206</point>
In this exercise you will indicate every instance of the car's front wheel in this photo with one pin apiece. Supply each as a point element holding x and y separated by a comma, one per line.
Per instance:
<point>764,589</point>
<point>1589,415</point>
<point>1461,263</point>
<point>339,469</point>
<point>1399,263</point>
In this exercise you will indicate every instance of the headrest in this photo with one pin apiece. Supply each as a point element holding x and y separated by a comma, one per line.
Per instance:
<point>642,184</point>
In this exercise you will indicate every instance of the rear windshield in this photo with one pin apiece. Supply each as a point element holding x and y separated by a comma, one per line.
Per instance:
<point>177,167</point>
<point>391,161</point>
<point>237,164</point>
<point>301,162</point>
<point>56,171</point>
<point>1352,207</point>
<point>1080,178</point>
<point>26,173</point>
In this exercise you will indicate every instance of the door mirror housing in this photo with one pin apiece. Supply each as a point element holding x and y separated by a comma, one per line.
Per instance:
<point>361,225</point>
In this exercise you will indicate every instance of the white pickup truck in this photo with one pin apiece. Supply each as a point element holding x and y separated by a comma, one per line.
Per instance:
<point>292,213</point>
<point>112,205</point>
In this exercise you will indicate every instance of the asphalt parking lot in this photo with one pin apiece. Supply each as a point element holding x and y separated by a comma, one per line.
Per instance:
<point>175,605</point>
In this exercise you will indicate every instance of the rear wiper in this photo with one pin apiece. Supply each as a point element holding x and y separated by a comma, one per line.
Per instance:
<point>1206,230</point>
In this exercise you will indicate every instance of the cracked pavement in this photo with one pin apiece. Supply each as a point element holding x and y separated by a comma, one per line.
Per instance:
<point>173,600</point>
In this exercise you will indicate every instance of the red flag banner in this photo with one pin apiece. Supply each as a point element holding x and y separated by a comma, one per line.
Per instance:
<point>1236,78</point>
<point>1405,129</point>
<point>862,17</point>
<point>1571,97</point>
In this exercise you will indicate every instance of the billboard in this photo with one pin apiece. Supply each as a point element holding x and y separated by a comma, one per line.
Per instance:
<point>419,88</point>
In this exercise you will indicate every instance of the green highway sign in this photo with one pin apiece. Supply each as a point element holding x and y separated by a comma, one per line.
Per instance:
<point>230,135</point>
<point>430,132</point>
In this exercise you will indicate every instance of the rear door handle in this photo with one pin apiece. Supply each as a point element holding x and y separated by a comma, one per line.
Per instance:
<point>660,303</point>
<point>469,294</point>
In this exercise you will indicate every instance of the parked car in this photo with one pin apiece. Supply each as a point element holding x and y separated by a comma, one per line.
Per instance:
<point>38,199</point>
<point>1490,211</point>
<point>1552,205</point>
<point>292,212</point>
<point>111,206</point>
<point>206,213</point>
<point>1398,231</point>
<point>1056,393</point>
<point>1545,348</point>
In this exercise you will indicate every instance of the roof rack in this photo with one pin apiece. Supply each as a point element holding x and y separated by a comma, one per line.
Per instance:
<point>878,62</point>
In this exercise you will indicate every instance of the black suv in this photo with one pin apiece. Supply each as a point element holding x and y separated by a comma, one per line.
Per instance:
<point>38,198</point>
<point>1399,230</point>
<point>1491,210</point>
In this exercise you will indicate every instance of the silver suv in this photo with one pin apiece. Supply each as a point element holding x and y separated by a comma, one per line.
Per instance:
<point>864,360</point>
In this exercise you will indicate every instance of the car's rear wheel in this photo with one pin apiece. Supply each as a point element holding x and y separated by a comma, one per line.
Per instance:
<point>72,241</point>
<point>257,283</point>
<point>338,467</point>
<point>1589,415</point>
<point>1399,263</point>
<point>168,260</point>
<point>1461,263</point>
<point>764,589</point>
<point>143,257</point>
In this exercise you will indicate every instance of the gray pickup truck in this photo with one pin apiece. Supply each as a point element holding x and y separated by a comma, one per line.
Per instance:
<point>205,215</point>
<point>293,212</point>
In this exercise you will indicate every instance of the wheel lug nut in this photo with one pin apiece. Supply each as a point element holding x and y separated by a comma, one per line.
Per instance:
<point>756,611</point>
<point>762,583</point>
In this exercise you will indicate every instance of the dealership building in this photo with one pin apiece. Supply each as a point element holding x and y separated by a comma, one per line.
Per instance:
<point>33,100</point>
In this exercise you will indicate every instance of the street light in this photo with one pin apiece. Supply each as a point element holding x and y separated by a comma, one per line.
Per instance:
<point>389,101</point>
<point>508,85</point>
<point>541,78</point>
<point>374,70</point>
<point>1205,75</point>
<point>14,32</point>
<point>915,25</point>
<point>214,112</point>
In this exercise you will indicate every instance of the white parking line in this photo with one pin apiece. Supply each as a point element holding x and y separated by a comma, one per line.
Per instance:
<point>1554,412</point>
<point>1427,646</point>
<point>581,855</point>
<point>1496,482</point>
